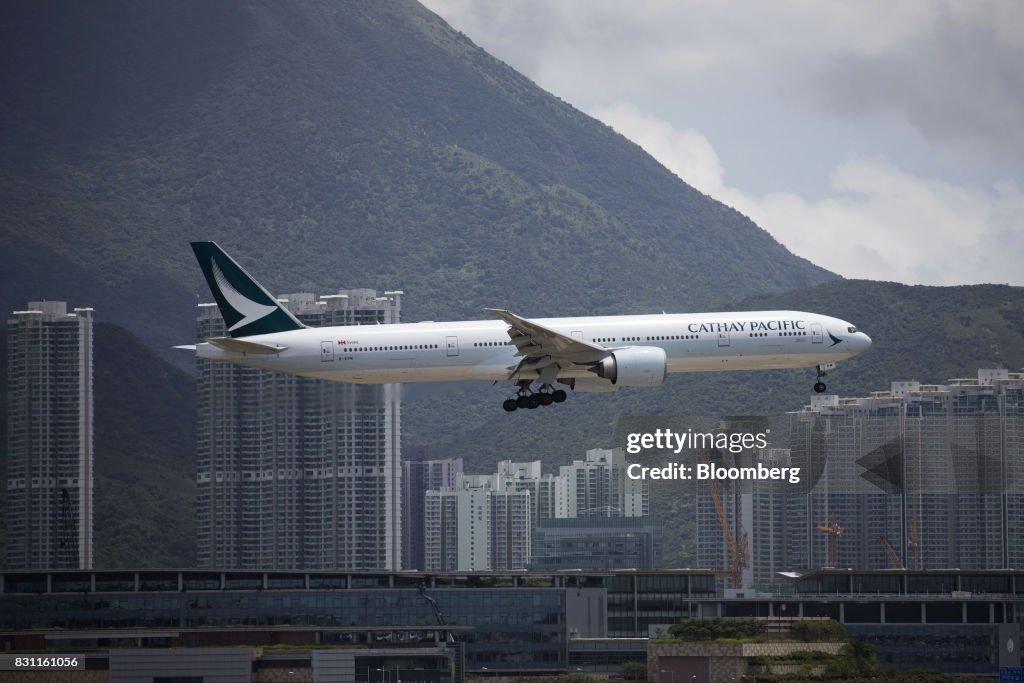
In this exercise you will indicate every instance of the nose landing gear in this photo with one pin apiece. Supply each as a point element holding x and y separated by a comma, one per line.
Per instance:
<point>819,386</point>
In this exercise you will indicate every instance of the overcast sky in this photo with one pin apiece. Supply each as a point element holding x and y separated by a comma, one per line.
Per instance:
<point>881,140</point>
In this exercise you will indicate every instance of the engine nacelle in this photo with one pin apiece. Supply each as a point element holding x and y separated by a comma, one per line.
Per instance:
<point>637,366</point>
<point>590,385</point>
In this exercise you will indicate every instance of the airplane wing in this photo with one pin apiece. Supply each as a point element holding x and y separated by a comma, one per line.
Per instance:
<point>540,345</point>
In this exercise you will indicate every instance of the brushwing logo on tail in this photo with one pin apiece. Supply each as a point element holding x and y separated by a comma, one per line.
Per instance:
<point>247,308</point>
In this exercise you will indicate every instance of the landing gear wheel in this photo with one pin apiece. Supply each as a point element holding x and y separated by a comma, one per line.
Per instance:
<point>819,386</point>
<point>533,401</point>
<point>558,395</point>
<point>523,401</point>
<point>510,405</point>
<point>546,399</point>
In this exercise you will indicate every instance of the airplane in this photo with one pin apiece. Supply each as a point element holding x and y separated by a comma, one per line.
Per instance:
<point>586,354</point>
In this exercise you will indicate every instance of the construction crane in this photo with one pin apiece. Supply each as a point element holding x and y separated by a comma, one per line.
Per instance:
<point>834,531</point>
<point>458,649</point>
<point>737,549</point>
<point>915,547</point>
<point>894,559</point>
<point>437,614</point>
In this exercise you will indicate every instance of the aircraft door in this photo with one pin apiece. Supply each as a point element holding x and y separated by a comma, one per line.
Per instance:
<point>577,334</point>
<point>326,352</point>
<point>452,345</point>
<point>816,337</point>
<point>723,338</point>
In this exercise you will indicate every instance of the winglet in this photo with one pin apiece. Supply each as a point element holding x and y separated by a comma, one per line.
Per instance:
<point>507,316</point>
<point>247,308</point>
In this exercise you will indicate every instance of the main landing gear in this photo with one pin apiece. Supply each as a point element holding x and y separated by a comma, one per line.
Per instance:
<point>529,400</point>
<point>819,386</point>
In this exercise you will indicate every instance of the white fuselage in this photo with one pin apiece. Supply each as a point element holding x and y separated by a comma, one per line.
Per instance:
<point>481,350</point>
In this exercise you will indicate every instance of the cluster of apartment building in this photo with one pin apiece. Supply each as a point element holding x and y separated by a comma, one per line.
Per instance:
<point>922,476</point>
<point>295,473</point>
<point>589,514</point>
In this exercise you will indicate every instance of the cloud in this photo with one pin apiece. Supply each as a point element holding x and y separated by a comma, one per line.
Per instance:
<point>950,70</point>
<point>957,80</point>
<point>686,153</point>
<point>877,222</point>
<point>882,140</point>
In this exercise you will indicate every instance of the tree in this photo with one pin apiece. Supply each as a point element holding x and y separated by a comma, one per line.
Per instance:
<point>633,671</point>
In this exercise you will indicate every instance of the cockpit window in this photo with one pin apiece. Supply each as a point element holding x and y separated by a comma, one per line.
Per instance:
<point>851,329</point>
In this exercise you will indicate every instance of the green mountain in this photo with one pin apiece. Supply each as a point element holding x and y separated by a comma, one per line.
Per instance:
<point>332,144</point>
<point>144,486</point>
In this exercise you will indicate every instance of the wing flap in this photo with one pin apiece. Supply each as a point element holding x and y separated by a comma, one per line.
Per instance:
<point>534,340</point>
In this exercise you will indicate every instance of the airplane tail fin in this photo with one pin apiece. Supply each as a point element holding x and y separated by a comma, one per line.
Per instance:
<point>246,307</point>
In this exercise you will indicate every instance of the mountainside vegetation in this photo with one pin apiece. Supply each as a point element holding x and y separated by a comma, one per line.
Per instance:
<point>332,144</point>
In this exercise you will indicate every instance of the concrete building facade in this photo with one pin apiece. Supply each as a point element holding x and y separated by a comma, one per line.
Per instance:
<point>49,510</point>
<point>418,477</point>
<point>598,487</point>
<point>479,525</point>
<point>596,542</point>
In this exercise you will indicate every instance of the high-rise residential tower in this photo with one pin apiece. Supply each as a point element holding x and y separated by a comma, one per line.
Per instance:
<point>297,473</point>
<point>598,487</point>
<point>480,525</point>
<point>418,477</point>
<point>50,437</point>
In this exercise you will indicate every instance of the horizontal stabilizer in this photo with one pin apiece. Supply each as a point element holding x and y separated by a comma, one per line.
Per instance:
<point>243,346</point>
<point>186,347</point>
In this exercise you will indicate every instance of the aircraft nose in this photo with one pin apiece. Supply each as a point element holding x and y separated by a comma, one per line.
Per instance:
<point>865,342</point>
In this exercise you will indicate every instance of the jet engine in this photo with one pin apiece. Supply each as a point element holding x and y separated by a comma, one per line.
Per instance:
<point>637,366</point>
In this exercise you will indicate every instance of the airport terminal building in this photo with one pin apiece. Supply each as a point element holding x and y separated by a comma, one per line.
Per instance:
<point>496,623</point>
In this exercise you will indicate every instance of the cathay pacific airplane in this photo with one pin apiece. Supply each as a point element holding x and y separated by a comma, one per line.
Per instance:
<point>599,353</point>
